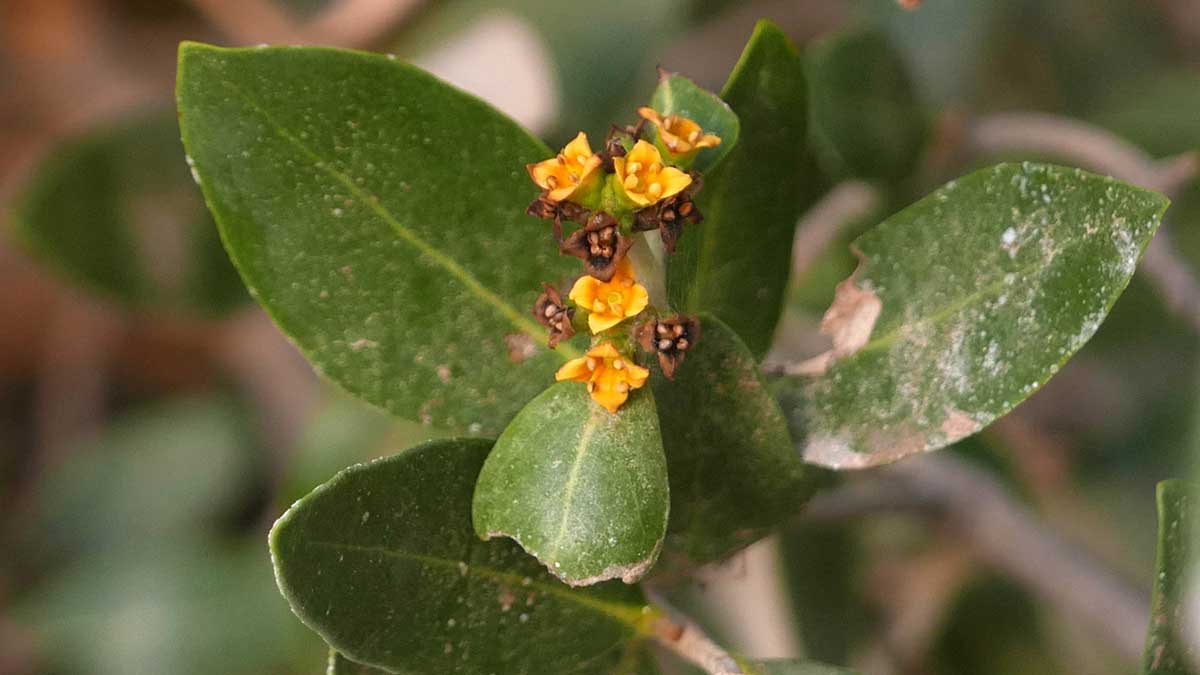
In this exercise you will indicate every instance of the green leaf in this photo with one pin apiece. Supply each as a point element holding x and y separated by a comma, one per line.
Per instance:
<point>866,119</point>
<point>581,489</point>
<point>734,471</point>
<point>340,665</point>
<point>794,667</point>
<point>1167,652</point>
<point>735,264</point>
<point>981,290</point>
<point>677,95</point>
<point>115,210</point>
<point>378,214</point>
<point>382,563</point>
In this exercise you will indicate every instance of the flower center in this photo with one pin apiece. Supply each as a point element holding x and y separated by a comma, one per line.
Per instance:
<point>644,179</point>
<point>615,302</point>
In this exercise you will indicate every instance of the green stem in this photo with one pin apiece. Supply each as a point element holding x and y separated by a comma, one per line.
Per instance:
<point>647,256</point>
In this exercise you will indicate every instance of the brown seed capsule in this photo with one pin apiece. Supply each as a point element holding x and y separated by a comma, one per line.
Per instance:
<point>551,312</point>
<point>599,244</point>
<point>547,209</point>
<point>669,215</point>
<point>670,338</point>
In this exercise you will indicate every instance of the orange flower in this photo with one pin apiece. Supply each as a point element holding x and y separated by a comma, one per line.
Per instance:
<point>568,174</point>
<point>608,373</point>
<point>681,135</point>
<point>610,302</point>
<point>644,178</point>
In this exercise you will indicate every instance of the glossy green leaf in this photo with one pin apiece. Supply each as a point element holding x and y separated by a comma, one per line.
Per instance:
<point>581,489</point>
<point>340,665</point>
<point>981,290</point>
<point>115,210</point>
<point>735,264</point>
<point>1167,652</point>
<point>866,119</point>
<point>735,473</point>
<point>677,95</point>
<point>378,214</point>
<point>794,667</point>
<point>382,563</point>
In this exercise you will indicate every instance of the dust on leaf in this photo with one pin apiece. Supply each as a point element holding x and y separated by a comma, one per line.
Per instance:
<point>963,305</point>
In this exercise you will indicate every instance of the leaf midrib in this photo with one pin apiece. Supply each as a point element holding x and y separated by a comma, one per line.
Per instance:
<point>457,271</point>
<point>627,614</point>
<point>893,335</point>
<point>581,449</point>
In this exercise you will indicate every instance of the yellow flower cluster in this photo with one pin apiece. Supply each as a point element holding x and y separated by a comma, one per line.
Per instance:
<point>627,180</point>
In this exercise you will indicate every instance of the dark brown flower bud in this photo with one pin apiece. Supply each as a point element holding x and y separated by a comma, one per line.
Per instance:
<point>669,215</point>
<point>614,143</point>
<point>671,338</point>
<point>551,312</point>
<point>547,209</point>
<point>599,244</point>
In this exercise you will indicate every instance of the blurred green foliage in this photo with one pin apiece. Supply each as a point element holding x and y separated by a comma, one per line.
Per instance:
<point>115,211</point>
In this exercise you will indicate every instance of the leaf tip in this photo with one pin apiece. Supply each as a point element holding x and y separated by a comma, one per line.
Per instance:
<point>768,29</point>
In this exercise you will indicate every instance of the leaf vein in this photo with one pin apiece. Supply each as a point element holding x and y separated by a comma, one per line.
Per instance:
<point>581,448</point>
<point>627,614</point>
<point>951,308</point>
<point>431,252</point>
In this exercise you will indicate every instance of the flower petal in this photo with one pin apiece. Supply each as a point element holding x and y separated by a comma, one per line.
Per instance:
<point>619,168</point>
<point>610,399</point>
<point>636,300</point>
<point>604,350</point>
<point>589,167</point>
<point>578,146</point>
<point>602,322</point>
<point>643,152</point>
<point>650,115</point>
<point>637,375</point>
<point>583,293</point>
<point>540,171</point>
<point>575,369</point>
<point>674,181</point>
